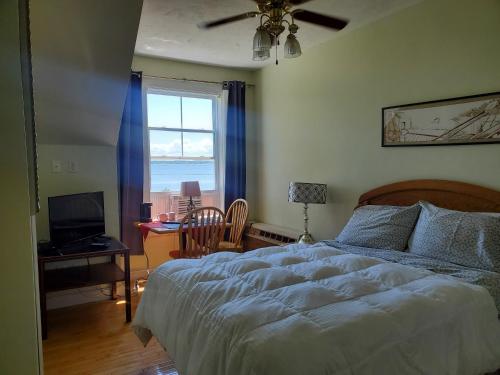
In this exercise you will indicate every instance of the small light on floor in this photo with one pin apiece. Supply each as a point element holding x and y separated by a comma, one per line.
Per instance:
<point>121,302</point>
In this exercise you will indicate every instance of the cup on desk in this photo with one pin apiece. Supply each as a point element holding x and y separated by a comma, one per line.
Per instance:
<point>163,217</point>
<point>171,216</point>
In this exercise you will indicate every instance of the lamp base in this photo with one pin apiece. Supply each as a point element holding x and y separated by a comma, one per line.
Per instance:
<point>306,238</point>
<point>191,206</point>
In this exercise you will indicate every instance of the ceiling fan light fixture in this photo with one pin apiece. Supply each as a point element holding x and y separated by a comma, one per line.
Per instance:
<point>261,40</point>
<point>261,55</point>
<point>292,47</point>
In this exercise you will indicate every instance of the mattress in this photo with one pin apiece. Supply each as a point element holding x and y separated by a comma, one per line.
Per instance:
<point>317,310</point>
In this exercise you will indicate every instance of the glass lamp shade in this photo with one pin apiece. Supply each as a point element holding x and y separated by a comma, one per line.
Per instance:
<point>292,47</point>
<point>261,55</point>
<point>261,40</point>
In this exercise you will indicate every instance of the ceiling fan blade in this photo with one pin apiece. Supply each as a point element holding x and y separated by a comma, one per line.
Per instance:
<point>297,2</point>
<point>319,19</point>
<point>223,21</point>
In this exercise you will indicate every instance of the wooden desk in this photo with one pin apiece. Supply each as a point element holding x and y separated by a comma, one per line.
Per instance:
<point>171,228</point>
<point>83,276</point>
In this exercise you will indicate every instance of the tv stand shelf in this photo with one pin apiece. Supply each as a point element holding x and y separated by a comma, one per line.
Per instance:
<point>84,276</point>
<point>80,277</point>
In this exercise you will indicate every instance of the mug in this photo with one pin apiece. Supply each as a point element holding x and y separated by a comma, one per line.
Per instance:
<point>163,217</point>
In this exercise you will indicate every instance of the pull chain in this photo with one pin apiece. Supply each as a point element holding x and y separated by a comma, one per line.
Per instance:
<point>277,52</point>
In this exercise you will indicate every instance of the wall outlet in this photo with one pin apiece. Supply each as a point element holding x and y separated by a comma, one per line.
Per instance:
<point>56,166</point>
<point>72,166</point>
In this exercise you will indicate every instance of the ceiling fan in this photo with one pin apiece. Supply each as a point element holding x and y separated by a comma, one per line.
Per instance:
<point>275,17</point>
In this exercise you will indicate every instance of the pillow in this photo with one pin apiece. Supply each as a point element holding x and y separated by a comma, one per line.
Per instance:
<point>380,227</point>
<point>466,238</point>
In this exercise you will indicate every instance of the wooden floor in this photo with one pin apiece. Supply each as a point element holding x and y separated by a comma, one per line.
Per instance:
<point>94,339</point>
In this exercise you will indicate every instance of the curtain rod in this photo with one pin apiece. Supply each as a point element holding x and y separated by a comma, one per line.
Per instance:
<point>190,80</point>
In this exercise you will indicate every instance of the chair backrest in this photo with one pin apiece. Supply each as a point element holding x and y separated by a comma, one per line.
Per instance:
<point>200,232</point>
<point>237,215</point>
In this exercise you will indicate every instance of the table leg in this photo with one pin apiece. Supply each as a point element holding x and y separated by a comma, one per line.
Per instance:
<point>128,303</point>
<point>43,298</point>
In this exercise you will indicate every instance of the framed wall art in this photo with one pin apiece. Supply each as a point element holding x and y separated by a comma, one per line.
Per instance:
<point>458,121</point>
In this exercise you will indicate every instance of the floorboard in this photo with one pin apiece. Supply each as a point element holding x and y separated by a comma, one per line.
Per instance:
<point>94,339</point>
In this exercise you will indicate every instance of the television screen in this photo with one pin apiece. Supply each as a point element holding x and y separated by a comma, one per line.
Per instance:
<point>76,217</point>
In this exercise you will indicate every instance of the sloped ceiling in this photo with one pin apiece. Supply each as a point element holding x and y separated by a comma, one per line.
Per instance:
<point>82,54</point>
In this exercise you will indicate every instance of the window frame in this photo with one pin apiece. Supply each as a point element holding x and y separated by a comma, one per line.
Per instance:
<point>190,91</point>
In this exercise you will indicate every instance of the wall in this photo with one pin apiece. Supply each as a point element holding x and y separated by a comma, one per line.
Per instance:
<point>177,69</point>
<point>96,171</point>
<point>18,318</point>
<point>320,114</point>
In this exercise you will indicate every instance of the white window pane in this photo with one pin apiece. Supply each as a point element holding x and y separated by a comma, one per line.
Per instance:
<point>167,175</point>
<point>164,111</point>
<point>197,113</point>
<point>165,144</point>
<point>198,145</point>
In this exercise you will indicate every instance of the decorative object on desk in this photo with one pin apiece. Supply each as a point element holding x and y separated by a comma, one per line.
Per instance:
<point>303,192</point>
<point>171,216</point>
<point>190,189</point>
<point>465,120</point>
<point>146,212</point>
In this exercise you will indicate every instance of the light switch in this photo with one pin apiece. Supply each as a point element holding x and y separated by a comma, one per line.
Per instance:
<point>72,166</point>
<point>56,166</point>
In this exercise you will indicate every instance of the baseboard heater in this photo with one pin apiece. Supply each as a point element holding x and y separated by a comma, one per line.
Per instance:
<point>264,235</point>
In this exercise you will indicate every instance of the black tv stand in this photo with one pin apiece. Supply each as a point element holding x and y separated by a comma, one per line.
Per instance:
<point>83,276</point>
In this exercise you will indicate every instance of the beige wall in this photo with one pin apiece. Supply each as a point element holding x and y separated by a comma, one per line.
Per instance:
<point>177,69</point>
<point>321,113</point>
<point>18,322</point>
<point>96,171</point>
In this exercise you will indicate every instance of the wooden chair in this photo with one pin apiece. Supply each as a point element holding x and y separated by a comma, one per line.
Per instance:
<point>200,232</point>
<point>237,215</point>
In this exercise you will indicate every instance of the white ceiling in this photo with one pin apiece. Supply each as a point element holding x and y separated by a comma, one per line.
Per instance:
<point>168,28</point>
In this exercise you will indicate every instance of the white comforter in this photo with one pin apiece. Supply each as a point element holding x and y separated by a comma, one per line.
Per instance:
<point>316,310</point>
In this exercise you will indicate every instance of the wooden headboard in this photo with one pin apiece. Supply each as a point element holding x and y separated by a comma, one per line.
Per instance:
<point>453,195</point>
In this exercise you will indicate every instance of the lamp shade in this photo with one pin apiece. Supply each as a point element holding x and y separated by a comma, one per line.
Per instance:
<point>303,192</point>
<point>261,55</point>
<point>261,40</point>
<point>190,189</point>
<point>292,47</point>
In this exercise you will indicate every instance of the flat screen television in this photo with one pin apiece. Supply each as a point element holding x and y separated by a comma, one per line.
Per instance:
<point>76,217</point>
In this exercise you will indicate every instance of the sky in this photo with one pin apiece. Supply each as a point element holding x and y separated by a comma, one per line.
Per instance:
<point>165,111</point>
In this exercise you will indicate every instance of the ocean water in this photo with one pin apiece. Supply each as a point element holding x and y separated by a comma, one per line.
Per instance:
<point>166,175</point>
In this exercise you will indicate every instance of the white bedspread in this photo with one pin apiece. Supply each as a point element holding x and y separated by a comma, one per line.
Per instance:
<point>304,310</point>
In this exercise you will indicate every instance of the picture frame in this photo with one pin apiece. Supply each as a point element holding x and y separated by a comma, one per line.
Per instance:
<point>463,120</point>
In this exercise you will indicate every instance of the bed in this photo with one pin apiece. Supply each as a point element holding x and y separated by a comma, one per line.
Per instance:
<point>331,308</point>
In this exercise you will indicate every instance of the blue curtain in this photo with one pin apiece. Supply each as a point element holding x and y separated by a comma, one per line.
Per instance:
<point>235,177</point>
<point>131,165</point>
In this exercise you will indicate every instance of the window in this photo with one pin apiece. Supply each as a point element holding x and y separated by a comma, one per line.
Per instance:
<point>182,132</point>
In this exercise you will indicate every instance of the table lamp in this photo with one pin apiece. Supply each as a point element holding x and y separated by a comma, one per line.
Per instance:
<point>190,189</point>
<point>303,192</point>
